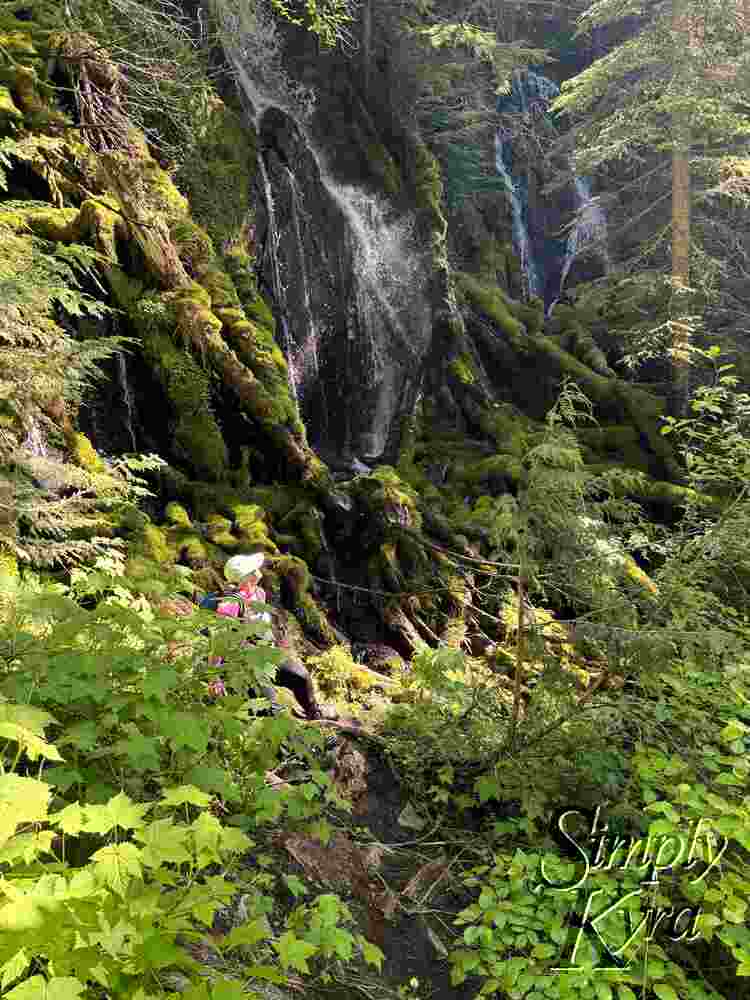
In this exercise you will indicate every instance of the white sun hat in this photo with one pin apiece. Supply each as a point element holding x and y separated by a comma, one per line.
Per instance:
<point>239,567</point>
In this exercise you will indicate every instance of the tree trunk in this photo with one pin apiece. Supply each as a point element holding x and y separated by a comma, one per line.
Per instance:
<point>684,39</point>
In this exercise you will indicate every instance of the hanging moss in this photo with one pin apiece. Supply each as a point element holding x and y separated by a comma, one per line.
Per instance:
<point>217,178</point>
<point>489,300</point>
<point>196,435</point>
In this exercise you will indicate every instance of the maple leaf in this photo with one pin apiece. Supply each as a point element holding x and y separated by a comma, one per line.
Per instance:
<point>294,952</point>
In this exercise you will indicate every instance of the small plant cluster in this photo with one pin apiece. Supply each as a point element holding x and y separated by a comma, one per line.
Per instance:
<point>117,837</point>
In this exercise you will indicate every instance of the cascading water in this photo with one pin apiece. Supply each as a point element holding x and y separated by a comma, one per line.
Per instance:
<point>347,279</point>
<point>546,263</point>
<point>589,230</point>
<point>521,241</point>
<point>34,441</point>
<point>271,254</point>
<point>127,397</point>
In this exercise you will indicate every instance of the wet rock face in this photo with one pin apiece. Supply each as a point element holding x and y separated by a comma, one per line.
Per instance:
<point>348,279</point>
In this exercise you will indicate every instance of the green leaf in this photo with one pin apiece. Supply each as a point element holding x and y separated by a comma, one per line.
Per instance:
<point>117,865</point>
<point>294,952</point>
<point>22,800</point>
<point>295,885</point>
<point>487,788</point>
<point>119,811</point>
<point>70,819</point>
<point>371,953</point>
<point>226,990</point>
<point>14,968</point>
<point>38,988</point>
<point>163,842</point>
<point>664,992</point>
<point>248,934</point>
<point>185,794</point>
<point>158,682</point>
<point>64,988</point>
<point>31,744</point>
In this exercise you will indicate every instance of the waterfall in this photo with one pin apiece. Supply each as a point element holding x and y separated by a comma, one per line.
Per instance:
<point>349,280</point>
<point>34,440</point>
<point>271,251</point>
<point>589,229</point>
<point>521,241</point>
<point>528,97</point>
<point>306,359</point>
<point>527,101</point>
<point>127,397</point>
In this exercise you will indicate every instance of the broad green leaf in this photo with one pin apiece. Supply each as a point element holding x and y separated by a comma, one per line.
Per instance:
<point>14,968</point>
<point>26,847</point>
<point>34,746</point>
<point>117,865</point>
<point>159,681</point>
<point>119,811</point>
<point>64,988</point>
<point>234,841</point>
<point>70,819</point>
<point>226,990</point>
<point>248,934</point>
<point>294,952</point>
<point>22,800</point>
<point>163,842</point>
<point>185,794</point>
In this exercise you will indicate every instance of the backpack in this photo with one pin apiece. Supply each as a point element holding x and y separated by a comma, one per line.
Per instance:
<point>210,602</point>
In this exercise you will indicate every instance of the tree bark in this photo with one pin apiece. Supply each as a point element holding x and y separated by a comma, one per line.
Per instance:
<point>685,38</point>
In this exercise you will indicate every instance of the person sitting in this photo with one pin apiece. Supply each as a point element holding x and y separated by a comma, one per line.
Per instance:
<point>243,572</point>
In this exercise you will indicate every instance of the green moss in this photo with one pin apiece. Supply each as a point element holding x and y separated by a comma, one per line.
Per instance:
<point>491,301</point>
<point>176,515</point>
<point>259,310</point>
<point>152,543</point>
<point>462,368</point>
<point>83,453</point>
<point>390,500</point>
<point>196,435</point>
<point>9,113</point>
<point>296,574</point>
<point>429,196</point>
<point>314,621</point>
<point>277,500</point>
<point>193,245</point>
<point>217,178</point>
<point>8,564</point>
<point>191,549</point>
<point>251,528</point>
<point>383,167</point>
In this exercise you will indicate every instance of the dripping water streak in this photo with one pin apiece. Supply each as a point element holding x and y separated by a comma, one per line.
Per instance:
<point>521,239</point>
<point>127,397</point>
<point>590,229</point>
<point>34,440</point>
<point>307,354</point>
<point>273,238</point>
